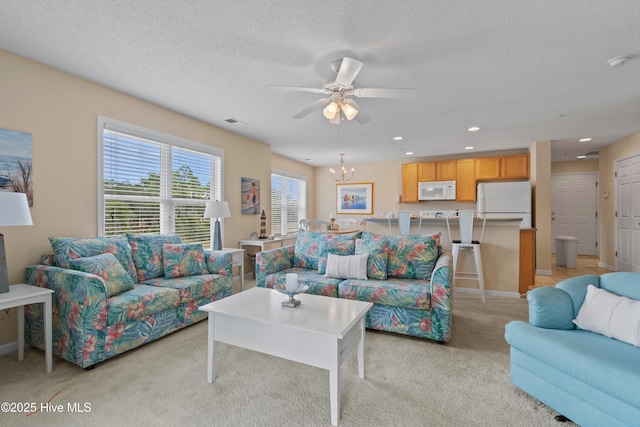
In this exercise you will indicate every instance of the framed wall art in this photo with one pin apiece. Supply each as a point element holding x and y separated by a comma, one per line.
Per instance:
<point>250,196</point>
<point>354,198</point>
<point>16,171</point>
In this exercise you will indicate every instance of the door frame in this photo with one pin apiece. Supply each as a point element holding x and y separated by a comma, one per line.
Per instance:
<point>597,189</point>
<point>616,199</point>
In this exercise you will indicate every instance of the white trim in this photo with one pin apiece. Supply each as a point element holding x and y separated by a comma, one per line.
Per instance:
<point>289,174</point>
<point>8,348</point>
<point>488,292</point>
<point>544,272</point>
<point>606,266</point>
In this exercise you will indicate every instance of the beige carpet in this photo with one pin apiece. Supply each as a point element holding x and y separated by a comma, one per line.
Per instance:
<point>408,382</point>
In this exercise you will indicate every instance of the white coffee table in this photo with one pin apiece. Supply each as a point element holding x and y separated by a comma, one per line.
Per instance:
<point>321,332</point>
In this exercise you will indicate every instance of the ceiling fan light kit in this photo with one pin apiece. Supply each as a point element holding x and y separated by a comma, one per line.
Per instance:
<point>337,103</point>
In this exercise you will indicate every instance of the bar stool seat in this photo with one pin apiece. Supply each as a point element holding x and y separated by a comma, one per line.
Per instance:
<point>466,243</point>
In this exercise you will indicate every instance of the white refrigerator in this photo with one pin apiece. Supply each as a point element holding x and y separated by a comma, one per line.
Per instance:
<point>505,200</point>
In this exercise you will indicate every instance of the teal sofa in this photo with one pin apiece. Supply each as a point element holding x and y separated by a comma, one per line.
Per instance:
<point>113,294</point>
<point>408,278</point>
<point>587,377</point>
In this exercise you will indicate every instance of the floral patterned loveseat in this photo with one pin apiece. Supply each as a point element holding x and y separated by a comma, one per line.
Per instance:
<point>112,294</point>
<point>407,277</point>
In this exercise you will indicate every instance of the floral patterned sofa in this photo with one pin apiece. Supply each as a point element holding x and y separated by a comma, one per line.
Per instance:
<point>407,277</point>
<point>112,294</point>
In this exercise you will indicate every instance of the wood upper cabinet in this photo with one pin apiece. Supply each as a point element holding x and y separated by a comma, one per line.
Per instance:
<point>426,172</point>
<point>446,171</point>
<point>514,166</point>
<point>410,183</point>
<point>466,181</point>
<point>508,167</point>
<point>437,171</point>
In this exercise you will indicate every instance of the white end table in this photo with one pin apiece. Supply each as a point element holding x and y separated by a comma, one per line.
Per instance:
<point>21,295</point>
<point>237,260</point>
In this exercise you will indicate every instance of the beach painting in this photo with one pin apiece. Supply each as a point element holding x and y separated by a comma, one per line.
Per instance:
<point>354,198</point>
<point>16,171</point>
<point>250,196</point>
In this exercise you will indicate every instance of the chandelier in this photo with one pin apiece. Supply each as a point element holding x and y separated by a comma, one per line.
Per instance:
<point>339,104</point>
<point>343,172</point>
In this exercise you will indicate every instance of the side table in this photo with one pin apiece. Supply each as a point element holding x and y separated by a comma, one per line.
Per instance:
<point>237,260</point>
<point>21,295</point>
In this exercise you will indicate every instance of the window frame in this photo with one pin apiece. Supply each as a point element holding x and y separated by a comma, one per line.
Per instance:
<point>289,175</point>
<point>217,191</point>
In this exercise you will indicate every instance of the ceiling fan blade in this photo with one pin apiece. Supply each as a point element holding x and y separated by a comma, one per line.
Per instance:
<point>384,93</point>
<point>349,69</point>
<point>299,89</point>
<point>314,106</point>
<point>362,116</point>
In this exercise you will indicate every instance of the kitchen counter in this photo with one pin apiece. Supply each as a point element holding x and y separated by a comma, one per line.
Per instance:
<point>500,249</point>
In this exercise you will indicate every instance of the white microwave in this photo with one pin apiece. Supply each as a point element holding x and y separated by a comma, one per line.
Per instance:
<point>437,190</point>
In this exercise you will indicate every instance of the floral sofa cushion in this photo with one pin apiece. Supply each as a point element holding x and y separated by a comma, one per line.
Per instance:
<point>377,247</point>
<point>183,260</point>
<point>108,268</point>
<point>307,248</point>
<point>69,248</point>
<point>191,287</point>
<point>142,301</point>
<point>318,283</point>
<point>147,253</point>
<point>412,256</point>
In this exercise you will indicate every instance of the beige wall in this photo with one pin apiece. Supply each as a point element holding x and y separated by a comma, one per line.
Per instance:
<point>60,112</point>
<point>540,153</point>
<point>607,164</point>
<point>575,166</point>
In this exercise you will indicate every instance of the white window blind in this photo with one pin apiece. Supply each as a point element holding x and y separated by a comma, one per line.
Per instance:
<point>288,202</point>
<point>155,183</point>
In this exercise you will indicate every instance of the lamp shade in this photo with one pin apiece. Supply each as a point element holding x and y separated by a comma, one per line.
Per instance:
<point>216,209</point>
<point>14,209</point>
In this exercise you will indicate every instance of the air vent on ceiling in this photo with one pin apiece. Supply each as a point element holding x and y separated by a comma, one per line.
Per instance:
<point>592,153</point>
<point>233,121</point>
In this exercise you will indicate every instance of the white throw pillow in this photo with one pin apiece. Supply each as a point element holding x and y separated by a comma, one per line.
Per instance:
<point>347,267</point>
<point>611,315</point>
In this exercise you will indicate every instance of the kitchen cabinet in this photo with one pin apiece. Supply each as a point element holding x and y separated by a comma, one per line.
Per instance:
<point>437,171</point>
<point>466,181</point>
<point>527,260</point>
<point>507,167</point>
<point>514,167</point>
<point>410,183</point>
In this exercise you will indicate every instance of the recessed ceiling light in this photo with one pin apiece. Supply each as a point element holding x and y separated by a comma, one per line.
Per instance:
<point>471,147</point>
<point>473,128</point>
<point>409,153</point>
<point>398,138</point>
<point>582,157</point>
<point>585,140</point>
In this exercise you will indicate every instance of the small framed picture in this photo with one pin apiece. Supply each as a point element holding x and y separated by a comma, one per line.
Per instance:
<point>354,198</point>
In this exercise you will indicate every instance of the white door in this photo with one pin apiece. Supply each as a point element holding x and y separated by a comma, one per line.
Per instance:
<point>628,214</point>
<point>574,204</point>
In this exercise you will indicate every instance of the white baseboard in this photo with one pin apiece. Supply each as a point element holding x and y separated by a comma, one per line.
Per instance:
<point>608,267</point>
<point>8,348</point>
<point>544,272</point>
<point>488,292</point>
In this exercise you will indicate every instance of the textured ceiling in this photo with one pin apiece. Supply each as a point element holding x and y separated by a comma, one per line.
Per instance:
<point>522,70</point>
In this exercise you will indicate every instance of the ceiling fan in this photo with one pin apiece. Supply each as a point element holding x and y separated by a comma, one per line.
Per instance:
<point>339,103</point>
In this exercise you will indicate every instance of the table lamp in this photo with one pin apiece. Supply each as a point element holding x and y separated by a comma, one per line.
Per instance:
<point>217,210</point>
<point>14,210</point>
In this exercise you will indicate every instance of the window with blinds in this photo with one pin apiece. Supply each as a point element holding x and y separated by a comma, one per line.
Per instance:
<point>156,183</point>
<point>288,202</point>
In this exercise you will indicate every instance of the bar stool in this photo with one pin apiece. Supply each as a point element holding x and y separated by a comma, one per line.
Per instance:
<point>466,243</point>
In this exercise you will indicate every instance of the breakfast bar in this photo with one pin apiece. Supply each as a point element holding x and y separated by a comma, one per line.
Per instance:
<point>500,249</point>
